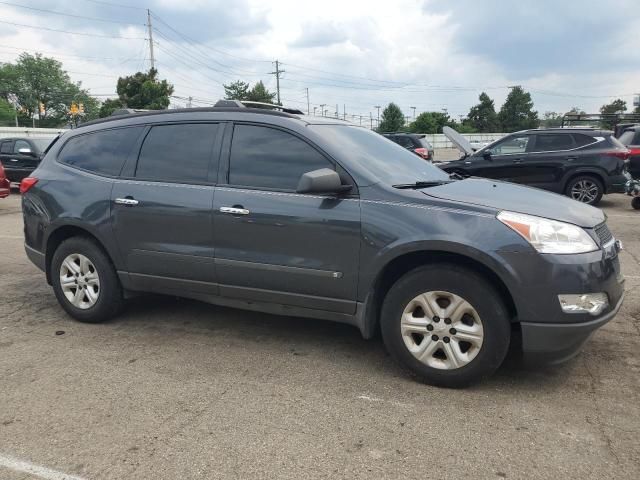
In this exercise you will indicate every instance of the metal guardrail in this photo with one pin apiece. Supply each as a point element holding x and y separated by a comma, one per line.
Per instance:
<point>30,132</point>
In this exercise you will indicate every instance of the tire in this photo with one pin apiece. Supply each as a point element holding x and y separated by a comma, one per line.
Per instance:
<point>106,299</point>
<point>586,189</point>
<point>635,203</point>
<point>475,361</point>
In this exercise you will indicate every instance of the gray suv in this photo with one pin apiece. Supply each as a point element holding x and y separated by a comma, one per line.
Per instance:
<point>313,217</point>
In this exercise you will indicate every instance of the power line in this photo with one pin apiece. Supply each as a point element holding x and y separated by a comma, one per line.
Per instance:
<point>71,33</point>
<point>67,14</point>
<point>59,54</point>
<point>111,4</point>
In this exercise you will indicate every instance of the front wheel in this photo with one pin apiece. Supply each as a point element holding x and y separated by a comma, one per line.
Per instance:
<point>586,189</point>
<point>635,203</point>
<point>446,325</point>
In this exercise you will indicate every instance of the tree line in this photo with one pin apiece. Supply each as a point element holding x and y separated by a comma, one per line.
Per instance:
<point>37,87</point>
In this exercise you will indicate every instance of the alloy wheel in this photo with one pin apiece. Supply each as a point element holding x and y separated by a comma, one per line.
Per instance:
<point>442,330</point>
<point>585,191</point>
<point>79,281</point>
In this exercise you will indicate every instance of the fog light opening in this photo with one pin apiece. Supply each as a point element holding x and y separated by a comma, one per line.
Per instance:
<point>591,303</point>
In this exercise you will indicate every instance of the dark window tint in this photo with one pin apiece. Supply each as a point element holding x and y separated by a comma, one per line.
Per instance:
<point>406,142</point>
<point>102,152</point>
<point>630,137</point>
<point>270,158</point>
<point>20,144</point>
<point>583,140</point>
<point>177,153</point>
<point>5,147</point>
<point>549,143</point>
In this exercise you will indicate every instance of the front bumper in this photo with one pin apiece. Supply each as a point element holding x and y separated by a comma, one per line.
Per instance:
<point>553,343</point>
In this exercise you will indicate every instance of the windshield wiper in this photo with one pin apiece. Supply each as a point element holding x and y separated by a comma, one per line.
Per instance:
<point>422,184</point>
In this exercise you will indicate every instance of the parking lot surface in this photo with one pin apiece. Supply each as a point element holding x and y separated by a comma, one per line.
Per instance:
<point>178,389</point>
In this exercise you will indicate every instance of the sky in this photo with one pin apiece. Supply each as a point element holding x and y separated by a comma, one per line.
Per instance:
<point>428,54</point>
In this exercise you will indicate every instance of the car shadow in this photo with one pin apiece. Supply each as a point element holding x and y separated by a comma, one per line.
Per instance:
<point>306,337</point>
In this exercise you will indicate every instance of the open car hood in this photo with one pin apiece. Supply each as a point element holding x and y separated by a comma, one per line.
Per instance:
<point>458,140</point>
<point>520,199</point>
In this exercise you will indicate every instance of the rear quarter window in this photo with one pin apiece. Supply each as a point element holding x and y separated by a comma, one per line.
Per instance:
<point>103,152</point>
<point>583,140</point>
<point>630,137</point>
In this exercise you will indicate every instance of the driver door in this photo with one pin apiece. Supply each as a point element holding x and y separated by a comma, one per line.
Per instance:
<point>506,161</point>
<point>272,244</point>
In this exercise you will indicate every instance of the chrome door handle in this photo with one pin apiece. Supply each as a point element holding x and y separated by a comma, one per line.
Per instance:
<point>517,160</point>
<point>126,201</point>
<point>234,210</point>
<point>14,160</point>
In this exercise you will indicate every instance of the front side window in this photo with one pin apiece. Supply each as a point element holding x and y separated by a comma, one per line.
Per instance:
<point>265,157</point>
<point>177,153</point>
<point>20,144</point>
<point>511,146</point>
<point>550,142</point>
<point>103,152</point>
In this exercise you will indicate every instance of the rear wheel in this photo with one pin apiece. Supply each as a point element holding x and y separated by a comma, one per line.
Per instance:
<point>586,189</point>
<point>635,203</point>
<point>84,281</point>
<point>446,325</point>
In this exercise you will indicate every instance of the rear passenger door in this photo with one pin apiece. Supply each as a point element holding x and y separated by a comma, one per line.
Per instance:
<point>6,158</point>
<point>161,208</point>
<point>277,246</point>
<point>550,156</point>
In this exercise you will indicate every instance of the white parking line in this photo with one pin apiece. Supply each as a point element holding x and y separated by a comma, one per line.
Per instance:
<point>25,467</point>
<point>17,237</point>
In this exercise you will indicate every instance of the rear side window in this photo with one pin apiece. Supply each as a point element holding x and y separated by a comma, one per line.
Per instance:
<point>177,153</point>
<point>102,152</point>
<point>583,140</point>
<point>549,143</point>
<point>268,158</point>
<point>5,147</point>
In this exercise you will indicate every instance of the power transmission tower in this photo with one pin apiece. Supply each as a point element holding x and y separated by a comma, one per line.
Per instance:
<point>153,59</point>
<point>277,73</point>
<point>414,113</point>
<point>308,109</point>
<point>189,102</point>
<point>378,107</point>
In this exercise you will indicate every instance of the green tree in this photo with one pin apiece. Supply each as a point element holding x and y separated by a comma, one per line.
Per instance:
<point>517,112</point>
<point>392,119</point>
<point>237,90</point>
<point>144,90</point>
<point>617,106</point>
<point>42,90</point>
<point>431,122</point>
<point>259,93</point>
<point>483,117</point>
<point>7,113</point>
<point>109,106</point>
<point>551,119</point>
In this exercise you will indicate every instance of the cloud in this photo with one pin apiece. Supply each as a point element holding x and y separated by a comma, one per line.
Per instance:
<point>320,35</point>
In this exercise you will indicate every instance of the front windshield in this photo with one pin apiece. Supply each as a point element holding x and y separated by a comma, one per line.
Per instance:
<point>388,161</point>
<point>42,143</point>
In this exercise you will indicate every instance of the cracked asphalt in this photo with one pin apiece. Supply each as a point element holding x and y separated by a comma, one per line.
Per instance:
<point>176,389</point>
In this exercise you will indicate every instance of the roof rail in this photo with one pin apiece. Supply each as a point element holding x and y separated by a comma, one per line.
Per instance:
<point>128,111</point>
<point>252,104</point>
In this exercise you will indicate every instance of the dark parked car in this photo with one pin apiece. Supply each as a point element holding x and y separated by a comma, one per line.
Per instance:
<point>630,138</point>
<point>4,184</point>
<point>414,142</point>
<point>315,217</point>
<point>583,164</point>
<point>21,156</point>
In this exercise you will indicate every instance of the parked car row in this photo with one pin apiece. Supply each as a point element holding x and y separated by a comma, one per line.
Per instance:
<point>416,143</point>
<point>21,156</point>
<point>583,164</point>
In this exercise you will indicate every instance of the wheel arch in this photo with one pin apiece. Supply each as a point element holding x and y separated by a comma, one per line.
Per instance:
<point>62,233</point>
<point>589,172</point>
<point>407,261</point>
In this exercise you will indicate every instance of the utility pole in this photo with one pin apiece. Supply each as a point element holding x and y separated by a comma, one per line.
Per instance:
<point>153,59</point>
<point>414,113</point>
<point>344,111</point>
<point>277,73</point>
<point>314,111</point>
<point>189,102</point>
<point>308,109</point>
<point>322,105</point>
<point>337,111</point>
<point>406,120</point>
<point>371,120</point>
<point>378,107</point>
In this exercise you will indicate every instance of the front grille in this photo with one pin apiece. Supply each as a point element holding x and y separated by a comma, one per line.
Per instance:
<point>603,233</point>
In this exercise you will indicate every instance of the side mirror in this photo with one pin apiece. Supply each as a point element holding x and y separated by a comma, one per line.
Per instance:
<point>323,180</point>
<point>487,155</point>
<point>25,151</point>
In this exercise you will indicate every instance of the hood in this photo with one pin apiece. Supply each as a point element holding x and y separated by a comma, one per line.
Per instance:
<point>458,140</point>
<point>520,199</point>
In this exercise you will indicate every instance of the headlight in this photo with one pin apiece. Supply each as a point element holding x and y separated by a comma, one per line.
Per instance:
<point>549,236</point>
